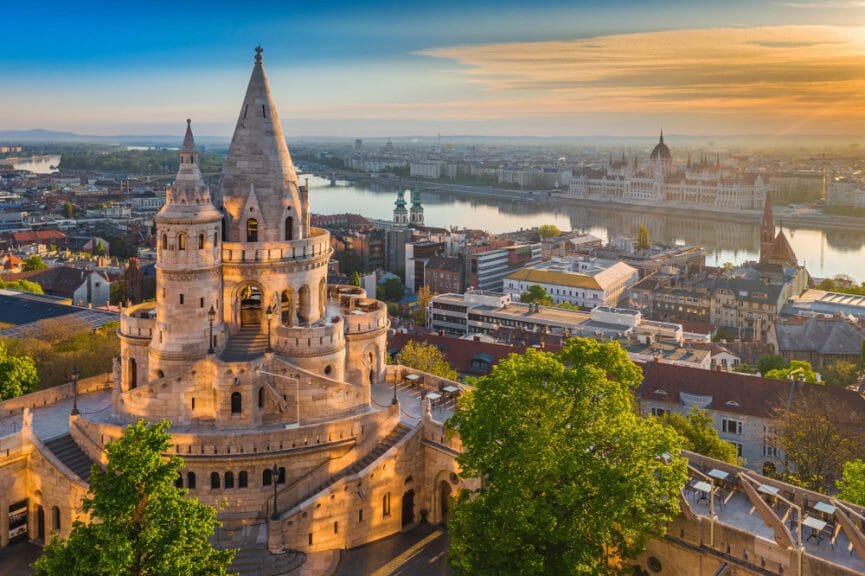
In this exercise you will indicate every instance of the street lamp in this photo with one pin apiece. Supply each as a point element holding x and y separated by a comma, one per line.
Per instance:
<point>275,475</point>
<point>74,377</point>
<point>394,401</point>
<point>211,316</point>
<point>269,313</point>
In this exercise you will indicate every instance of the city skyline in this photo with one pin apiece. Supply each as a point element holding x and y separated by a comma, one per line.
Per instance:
<point>498,69</point>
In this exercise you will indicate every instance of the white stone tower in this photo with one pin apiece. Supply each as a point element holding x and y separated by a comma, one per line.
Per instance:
<point>188,269</point>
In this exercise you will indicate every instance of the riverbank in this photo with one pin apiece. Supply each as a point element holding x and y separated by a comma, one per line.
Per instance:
<point>795,217</point>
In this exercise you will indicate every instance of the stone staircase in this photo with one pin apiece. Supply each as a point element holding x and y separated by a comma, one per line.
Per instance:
<point>247,344</point>
<point>68,452</point>
<point>390,440</point>
<point>258,561</point>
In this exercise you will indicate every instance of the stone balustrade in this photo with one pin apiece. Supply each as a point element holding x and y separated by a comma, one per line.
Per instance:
<point>365,316</point>
<point>316,245</point>
<point>138,321</point>
<point>309,340</point>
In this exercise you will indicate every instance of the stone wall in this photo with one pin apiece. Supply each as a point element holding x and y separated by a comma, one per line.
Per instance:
<point>55,394</point>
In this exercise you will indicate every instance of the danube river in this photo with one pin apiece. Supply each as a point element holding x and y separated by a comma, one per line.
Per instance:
<point>824,253</point>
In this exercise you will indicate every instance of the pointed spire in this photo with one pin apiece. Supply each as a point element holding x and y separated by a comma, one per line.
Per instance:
<point>767,229</point>
<point>189,140</point>
<point>662,136</point>
<point>258,155</point>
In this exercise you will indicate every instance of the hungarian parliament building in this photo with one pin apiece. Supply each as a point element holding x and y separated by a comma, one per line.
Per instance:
<point>705,184</point>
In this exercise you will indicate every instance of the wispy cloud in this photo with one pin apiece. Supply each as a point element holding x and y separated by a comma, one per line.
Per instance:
<point>777,79</point>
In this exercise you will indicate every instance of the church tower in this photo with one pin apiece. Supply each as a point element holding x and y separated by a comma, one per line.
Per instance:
<point>767,229</point>
<point>416,214</point>
<point>188,269</point>
<point>400,214</point>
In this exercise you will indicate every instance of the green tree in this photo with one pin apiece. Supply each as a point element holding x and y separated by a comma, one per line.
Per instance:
<point>99,250</point>
<point>536,294</point>
<point>840,374</point>
<point>851,486</point>
<point>548,231</point>
<point>798,369</point>
<point>769,362</point>
<point>426,358</point>
<point>22,285</point>
<point>818,433</point>
<point>142,524</point>
<point>68,209</point>
<point>391,290</point>
<point>642,237</point>
<point>18,374</point>
<point>355,278</point>
<point>35,262</point>
<point>700,435</point>
<point>573,480</point>
<point>424,297</point>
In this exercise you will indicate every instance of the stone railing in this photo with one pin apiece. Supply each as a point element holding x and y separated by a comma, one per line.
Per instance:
<point>137,322</point>
<point>55,394</point>
<point>343,294</point>
<point>367,315</point>
<point>11,443</point>
<point>317,244</point>
<point>304,340</point>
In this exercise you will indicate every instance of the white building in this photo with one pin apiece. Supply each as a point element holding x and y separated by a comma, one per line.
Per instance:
<point>584,282</point>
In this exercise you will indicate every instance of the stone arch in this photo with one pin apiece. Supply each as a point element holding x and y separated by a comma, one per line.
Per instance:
<point>201,241</point>
<point>303,304</point>
<point>190,480</point>
<point>443,494</point>
<point>55,518</point>
<point>181,241</point>
<point>289,228</point>
<point>249,296</point>
<point>133,374</point>
<point>164,241</point>
<point>236,403</point>
<point>287,303</point>
<point>251,230</point>
<point>322,297</point>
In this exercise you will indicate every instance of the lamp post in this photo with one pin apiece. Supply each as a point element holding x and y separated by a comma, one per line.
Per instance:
<point>275,475</point>
<point>74,377</point>
<point>394,401</point>
<point>211,316</point>
<point>269,313</point>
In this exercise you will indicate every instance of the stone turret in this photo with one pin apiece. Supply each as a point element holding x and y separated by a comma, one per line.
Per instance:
<point>259,184</point>
<point>188,268</point>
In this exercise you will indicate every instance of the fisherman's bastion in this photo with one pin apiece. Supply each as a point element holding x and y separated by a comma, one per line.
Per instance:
<point>287,415</point>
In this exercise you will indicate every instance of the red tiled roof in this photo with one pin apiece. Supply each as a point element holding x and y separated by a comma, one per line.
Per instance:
<point>458,352</point>
<point>38,236</point>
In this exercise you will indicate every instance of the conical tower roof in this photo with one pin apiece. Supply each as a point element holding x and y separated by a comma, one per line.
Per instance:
<point>258,177</point>
<point>189,196</point>
<point>782,251</point>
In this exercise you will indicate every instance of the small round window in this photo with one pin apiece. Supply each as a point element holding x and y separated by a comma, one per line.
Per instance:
<point>327,370</point>
<point>654,564</point>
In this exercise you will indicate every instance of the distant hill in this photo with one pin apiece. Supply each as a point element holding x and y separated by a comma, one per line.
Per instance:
<point>42,136</point>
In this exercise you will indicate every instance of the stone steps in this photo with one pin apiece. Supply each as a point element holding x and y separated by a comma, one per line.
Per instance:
<point>72,456</point>
<point>389,441</point>
<point>247,344</point>
<point>258,561</point>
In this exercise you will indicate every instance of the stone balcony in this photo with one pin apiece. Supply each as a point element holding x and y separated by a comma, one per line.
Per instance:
<point>138,321</point>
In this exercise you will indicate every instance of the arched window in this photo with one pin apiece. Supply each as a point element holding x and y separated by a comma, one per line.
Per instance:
<point>236,403</point>
<point>242,479</point>
<point>252,230</point>
<point>215,238</point>
<point>181,242</point>
<point>190,480</point>
<point>289,228</point>
<point>229,479</point>
<point>201,241</point>
<point>55,517</point>
<point>267,477</point>
<point>133,373</point>
<point>165,241</point>
<point>214,480</point>
<point>261,397</point>
<point>281,479</point>
<point>178,483</point>
<point>385,505</point>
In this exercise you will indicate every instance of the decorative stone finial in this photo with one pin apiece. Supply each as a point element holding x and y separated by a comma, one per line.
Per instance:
<point>258,51</point>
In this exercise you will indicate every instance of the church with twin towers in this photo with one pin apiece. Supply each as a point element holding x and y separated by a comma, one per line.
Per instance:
<point>267,373</point>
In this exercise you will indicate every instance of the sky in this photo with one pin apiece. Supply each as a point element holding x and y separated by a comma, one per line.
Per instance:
<point>379,69</point>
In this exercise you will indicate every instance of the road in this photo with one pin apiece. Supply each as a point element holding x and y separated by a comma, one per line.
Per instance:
<point>418,552</point>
